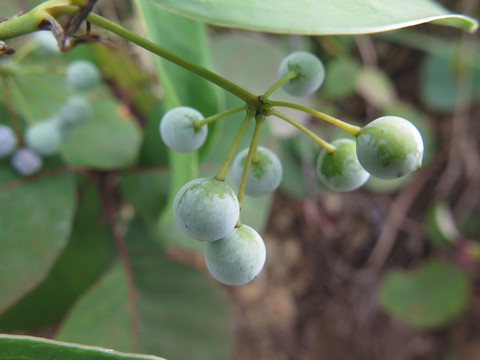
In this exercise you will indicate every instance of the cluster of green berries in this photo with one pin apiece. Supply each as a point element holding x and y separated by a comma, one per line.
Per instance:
<point>45,137</point>
<point>389,147</point>
<point>208,210</point>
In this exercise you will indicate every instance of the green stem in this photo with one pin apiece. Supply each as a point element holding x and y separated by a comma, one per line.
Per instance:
<point>352,129</point>
<point>227,85</point>
<point>223,170</point>
<point>291,75</point>
<point>259,119</point>
<point>14,120</point>
<point>327,146</point>
<point>199,123</point>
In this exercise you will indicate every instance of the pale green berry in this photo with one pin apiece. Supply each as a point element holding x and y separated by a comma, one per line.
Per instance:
<point>47,44</point>
<point>264,175</point>
<point>178,131</point>
<point>76,110</point>
<point>8,140</point>
<point>206,209</point>
<point>237,258</point>
<point>390,147</point>
<point>44,137</point>
<point>310,73</point>
<point>340,170</point>
<point>82,75</point>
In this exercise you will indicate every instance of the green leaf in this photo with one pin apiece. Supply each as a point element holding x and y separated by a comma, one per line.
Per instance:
<point>35,222</point>
<point>316,17</point>
<point>376,87</point>
<point>341,74</point>
<point>430,297</point>
<point>440,224</point>
<point>182,314</point>
<point>180,87</point>
<point>16,347</point>
<point>110,140</point>
<point>81,263</point>
<point>442,74</point>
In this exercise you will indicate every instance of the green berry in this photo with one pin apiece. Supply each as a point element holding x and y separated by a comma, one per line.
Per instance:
<point>26,161</point>
<point>237,258</point>
<point>44,137</point>
<point>206,209</point>
<point>264,175</point>
<point>310,73</point>
<point>390,147</point>
<point>8,140</point>
<point>76,110</point>
<point>340,170</point>
<point>178,131</point>
<point>82,75</point>
<point>46,42</point>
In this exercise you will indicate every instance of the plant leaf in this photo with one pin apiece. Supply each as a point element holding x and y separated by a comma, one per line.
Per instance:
<point>429,298</point>
<point>182,314</point>
<point>16,347</point>
<point>81,263</point>
<point>317,17</point>
<point>35,222</point>
<point>110,140</point>
<point>180,87</point>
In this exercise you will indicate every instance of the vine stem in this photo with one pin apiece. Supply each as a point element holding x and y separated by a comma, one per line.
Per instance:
<point>259,119</point>
<point>17,94</point>
<point>218,80</point>
<point>352,129</point>
<point>327,146</point>
<point>291,75</point>
<point>199,123</point>
<point>223,170</point>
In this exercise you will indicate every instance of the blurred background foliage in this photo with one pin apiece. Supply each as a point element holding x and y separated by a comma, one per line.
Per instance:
<point>348,275</point>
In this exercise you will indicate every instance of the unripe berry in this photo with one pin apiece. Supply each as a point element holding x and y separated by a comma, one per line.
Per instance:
<point>44,137</point>
<point>340,170</point>
<point>310,73</point>
<point>47,44</point>
<point>264,175</point>
<point>8,140</point>
<point>26,161</point>
<point>206,209</point>
<point>82,75</point>
<point>178,131</point>
<point>390,147</point>
<point>75,110</point>
<point>237,258</point>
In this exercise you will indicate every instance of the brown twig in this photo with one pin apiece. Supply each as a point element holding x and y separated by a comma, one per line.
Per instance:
<point>106,184</point>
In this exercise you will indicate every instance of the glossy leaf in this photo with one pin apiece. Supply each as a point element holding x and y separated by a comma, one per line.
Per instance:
<point>35,222</point>
<point>430,297</point>
<point>16,347</point>
<point>316,17</point>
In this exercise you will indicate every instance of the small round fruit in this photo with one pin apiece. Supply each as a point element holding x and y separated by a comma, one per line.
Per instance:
<point>340,170</point>
<point>82,75</point>
<point>26,161</point>
<point>44,137</point>
<point>264,176</point>
<point>206,209</point>
<point>46,42</point>
<point>179,133</point>
<point>310,73</point>
<point>8,140</point>
<point>76,110</point>
<point>390,147</point>
<point>237,258</point>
